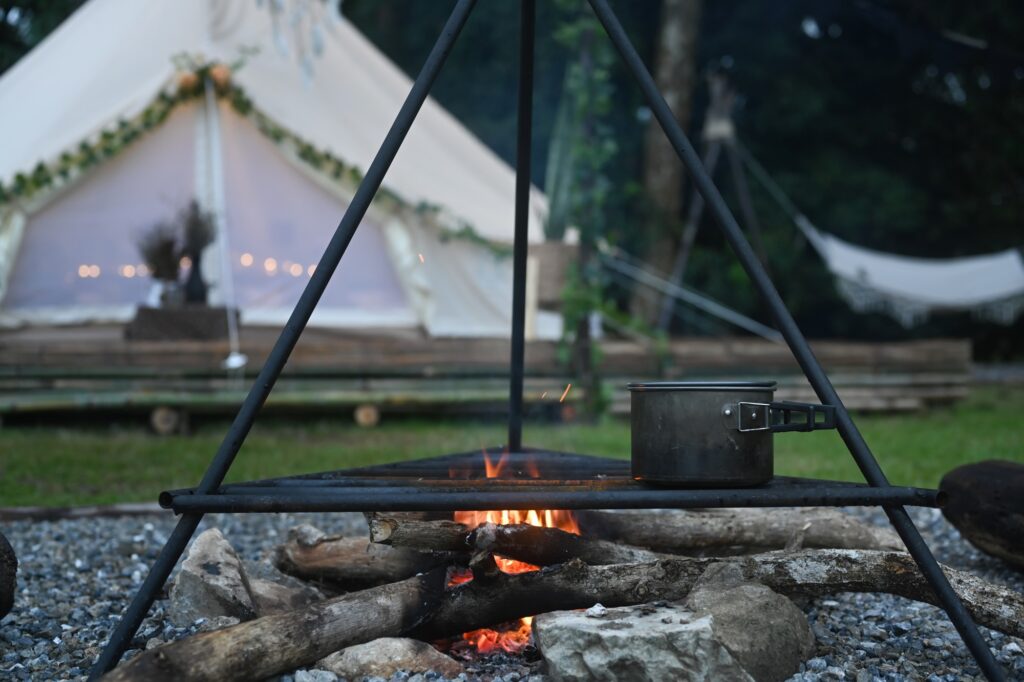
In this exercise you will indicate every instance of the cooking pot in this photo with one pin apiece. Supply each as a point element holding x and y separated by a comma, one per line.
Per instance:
<point>701,434</point>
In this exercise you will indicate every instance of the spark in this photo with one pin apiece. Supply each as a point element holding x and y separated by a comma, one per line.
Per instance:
<point>543,395</point>
<point>422,260</point>
<point>565,393</point>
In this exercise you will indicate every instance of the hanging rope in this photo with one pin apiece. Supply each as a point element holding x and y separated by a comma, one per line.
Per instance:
<point>618,260</point>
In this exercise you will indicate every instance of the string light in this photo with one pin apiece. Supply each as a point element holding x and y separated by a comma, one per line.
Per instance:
<point>310,270</point>
<point>270,265</point>
<point>295,269</point>
<point>141,270</point>
<point>246,260</point>
<point>128,271</point>
<point>185,262</point>
<point>94,271</point>
<point>83,271</point>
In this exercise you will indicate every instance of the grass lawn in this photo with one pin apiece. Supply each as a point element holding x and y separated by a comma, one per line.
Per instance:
<point>103,463</point>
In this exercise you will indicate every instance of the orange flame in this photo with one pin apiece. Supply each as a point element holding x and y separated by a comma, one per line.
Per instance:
<point>512,640</point>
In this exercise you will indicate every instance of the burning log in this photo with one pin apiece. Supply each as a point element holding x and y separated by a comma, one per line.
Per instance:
<point>547,546</point>
<point>576,585</point>
<point>271,645</point>
<point>737,531</point>
<point>532,544</point>
<point>397,530</point>
<point>348,563</point>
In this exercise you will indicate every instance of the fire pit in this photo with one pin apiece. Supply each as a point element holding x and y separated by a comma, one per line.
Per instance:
<point>562,481</point>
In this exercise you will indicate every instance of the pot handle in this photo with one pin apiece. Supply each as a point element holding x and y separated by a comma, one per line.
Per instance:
<point>777,417</point>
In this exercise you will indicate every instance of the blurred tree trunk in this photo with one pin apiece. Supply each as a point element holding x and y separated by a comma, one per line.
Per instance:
<point>675,62</point>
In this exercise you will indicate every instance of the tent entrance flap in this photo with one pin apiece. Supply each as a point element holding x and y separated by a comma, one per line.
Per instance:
<point>279,223</point>
<point>78,256</point>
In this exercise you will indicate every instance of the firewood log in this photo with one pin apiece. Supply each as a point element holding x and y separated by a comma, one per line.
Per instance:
<point>268,646</point>
<point>736,531</point>
<point>340,563</point>
<point>575,585</point>
<point>272,645</point>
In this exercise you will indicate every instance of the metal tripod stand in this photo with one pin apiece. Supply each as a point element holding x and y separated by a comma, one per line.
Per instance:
<point>210,485</point>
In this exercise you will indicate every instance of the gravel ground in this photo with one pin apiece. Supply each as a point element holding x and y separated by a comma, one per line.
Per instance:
<point>76,577</point>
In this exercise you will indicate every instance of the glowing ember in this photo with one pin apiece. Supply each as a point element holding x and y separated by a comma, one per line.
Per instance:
<point>565,393</point>
<point>512,641</point>
<point>515,639</point>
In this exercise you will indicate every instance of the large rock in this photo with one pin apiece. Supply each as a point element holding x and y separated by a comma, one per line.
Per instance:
<point>211,583</point>
<point>274,592</point>
<point>8,576</point>
<point>271,597</point>
<point>763,630</point>
<point>634,643</point>
<point>385,656</point>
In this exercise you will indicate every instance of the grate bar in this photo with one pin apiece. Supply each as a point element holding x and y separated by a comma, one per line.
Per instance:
<point>413,498</point>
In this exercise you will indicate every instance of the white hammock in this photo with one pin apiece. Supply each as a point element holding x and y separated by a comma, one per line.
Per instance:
<point>990,286</point>
<point>909,289</point>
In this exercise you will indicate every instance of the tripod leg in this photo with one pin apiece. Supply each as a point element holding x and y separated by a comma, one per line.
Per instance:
<point>797,343</point>
<point>282,349</point>
<point>524,137</point>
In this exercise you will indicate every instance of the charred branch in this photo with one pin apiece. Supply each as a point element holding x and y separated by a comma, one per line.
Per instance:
<point>532,544</point>
<point>813,573</point>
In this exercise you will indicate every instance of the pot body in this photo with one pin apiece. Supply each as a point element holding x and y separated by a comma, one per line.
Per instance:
<point>684,434</point>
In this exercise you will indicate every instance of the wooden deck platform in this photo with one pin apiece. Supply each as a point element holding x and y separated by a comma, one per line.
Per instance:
<point>94,367</point>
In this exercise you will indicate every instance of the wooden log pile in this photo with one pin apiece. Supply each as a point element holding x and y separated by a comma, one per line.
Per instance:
<point>398,583</point>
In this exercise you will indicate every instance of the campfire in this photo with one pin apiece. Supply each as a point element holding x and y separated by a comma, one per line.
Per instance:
<point>397,582</point>
<point>516,637</point>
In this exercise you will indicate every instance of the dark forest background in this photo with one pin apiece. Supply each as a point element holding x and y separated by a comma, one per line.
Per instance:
<point>896,125</point>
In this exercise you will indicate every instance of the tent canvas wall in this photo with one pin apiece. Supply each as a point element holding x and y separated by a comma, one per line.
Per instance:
<point>105,134</point>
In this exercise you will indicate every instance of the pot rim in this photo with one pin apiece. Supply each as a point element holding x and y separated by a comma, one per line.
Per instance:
<point>702,386</point>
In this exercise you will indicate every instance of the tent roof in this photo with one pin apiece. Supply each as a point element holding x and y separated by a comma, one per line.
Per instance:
<point>112,57</point>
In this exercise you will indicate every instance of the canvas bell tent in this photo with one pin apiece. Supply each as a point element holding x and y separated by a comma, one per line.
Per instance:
<point>130,110</point>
